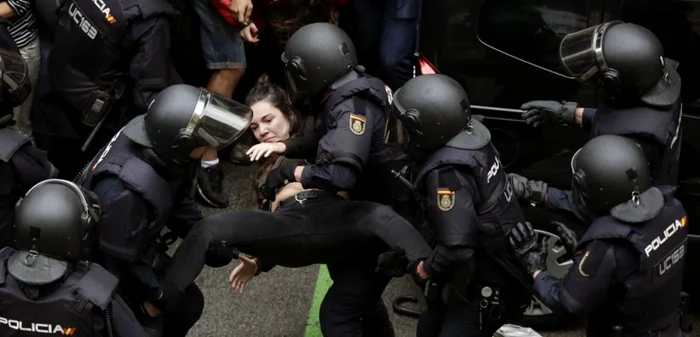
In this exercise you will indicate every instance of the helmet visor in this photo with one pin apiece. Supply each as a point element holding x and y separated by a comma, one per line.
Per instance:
<point>581,53</point>
<point>217,120</point>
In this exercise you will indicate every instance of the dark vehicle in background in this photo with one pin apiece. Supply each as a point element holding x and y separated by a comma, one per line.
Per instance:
<point>505,53</point>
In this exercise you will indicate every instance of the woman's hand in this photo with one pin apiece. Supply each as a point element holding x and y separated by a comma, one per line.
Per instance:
<point>243,272</point>
<point>265,149</point>
<point>250,33</point>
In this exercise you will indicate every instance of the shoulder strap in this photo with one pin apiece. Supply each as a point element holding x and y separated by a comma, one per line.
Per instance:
<point>97,286</point>
<point>5,254</point>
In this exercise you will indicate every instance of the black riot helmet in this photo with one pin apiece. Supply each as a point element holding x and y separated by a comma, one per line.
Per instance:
<point>625,59</point>
<point>607,171</point>
<point>182,118</point>
<point>315,57</point>
<point>55,222</point>
<point>14,78</point>
<point>433,109</point>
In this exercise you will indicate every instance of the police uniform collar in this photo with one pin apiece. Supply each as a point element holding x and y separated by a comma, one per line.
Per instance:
<point>644,209</point>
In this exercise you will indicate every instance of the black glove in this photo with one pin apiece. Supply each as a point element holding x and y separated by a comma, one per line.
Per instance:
<point>530,254</point>
<point>535,191</point>
<point>541,112</point>
<point>567,236</point>
<point>393,263</point>
<point>276,179</point>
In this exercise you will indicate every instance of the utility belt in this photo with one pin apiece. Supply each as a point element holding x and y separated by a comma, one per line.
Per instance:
<point>306,195</point>
<point>686,326</point>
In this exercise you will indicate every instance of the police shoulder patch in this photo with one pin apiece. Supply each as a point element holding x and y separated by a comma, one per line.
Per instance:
<point>445,199</point>
<point>357,124</point>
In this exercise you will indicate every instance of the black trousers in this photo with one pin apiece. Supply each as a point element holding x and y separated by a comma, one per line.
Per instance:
<point>346,235</point>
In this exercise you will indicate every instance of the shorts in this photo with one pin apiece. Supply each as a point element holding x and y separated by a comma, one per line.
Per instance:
<point>222,47</point>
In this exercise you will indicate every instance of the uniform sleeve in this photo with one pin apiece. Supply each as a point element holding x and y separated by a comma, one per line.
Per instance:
<point>587,118</point>
<point>20,7</point>
<point>150,67</point>
<point>344,150</point>
<point>589,279</point>
<point>305,145</point>
<point>563,200</point>
<point>124,322</point>
<point>32,166</point>
<point>122,232</point>
<point>451,215</point>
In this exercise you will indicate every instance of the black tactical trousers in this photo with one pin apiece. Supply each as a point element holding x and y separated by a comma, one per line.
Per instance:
<point>314,228</point>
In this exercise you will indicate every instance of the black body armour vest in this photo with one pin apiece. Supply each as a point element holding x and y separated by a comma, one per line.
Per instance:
<point>663,127</point>
<point>650,298</point>
<point>70,310</point>
<point>376,182</point>
<point>10,142</point>
<point>100,27</point>
<point>119,159</point>
<point>496,207</point>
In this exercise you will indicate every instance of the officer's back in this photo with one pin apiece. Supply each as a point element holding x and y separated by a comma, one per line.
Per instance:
<point>628,266</point>
<point>47,286</point>
<point>111,58</point>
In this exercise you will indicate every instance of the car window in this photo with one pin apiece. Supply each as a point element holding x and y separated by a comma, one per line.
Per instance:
<point>677,25</point>
<point>531,31</point>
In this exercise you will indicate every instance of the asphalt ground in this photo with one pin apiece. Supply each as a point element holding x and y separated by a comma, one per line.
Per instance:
<point>284,302</point>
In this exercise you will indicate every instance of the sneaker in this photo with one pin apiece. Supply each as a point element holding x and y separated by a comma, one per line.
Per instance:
<point>210,187</point>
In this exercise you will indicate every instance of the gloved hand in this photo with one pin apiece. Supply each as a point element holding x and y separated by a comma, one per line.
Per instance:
<point>393,263</point>
<point>535,191</point>
<point>276,179</point>
<point>541,112</point>
<point>530,254</point>
<point>567,236</point>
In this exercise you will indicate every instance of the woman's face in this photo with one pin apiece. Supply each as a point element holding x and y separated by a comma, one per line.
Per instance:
<point>269,125</point>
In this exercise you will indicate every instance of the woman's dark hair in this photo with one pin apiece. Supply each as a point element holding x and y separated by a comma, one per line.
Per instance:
<point>266,91</point>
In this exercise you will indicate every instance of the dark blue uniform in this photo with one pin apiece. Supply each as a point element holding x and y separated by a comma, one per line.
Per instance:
<point>626,274</point>
<point>140,195</point>
<point>124,53</point>
<point>470,207</point>
<point>352,156</point>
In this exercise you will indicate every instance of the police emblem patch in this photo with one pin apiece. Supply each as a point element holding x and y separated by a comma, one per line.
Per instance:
<point>445,199</point>
<point>357,124</point>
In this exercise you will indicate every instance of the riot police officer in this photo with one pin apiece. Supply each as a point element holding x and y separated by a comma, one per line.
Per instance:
<point>638,92</point>
<point>469,206</point>
<point>21,164</point>
<point>47,285</point>
<point>140,178</point>
<point>628,266</point>
<point>321,67</point>
<point>113,57</point>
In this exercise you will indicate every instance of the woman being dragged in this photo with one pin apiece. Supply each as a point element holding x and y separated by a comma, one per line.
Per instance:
<point>300,227</point>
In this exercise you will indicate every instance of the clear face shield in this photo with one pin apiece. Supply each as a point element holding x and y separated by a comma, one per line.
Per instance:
<point>15,82</point>
<point>217,120</point>
<point>294,76</point>
<point>581,53</point>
